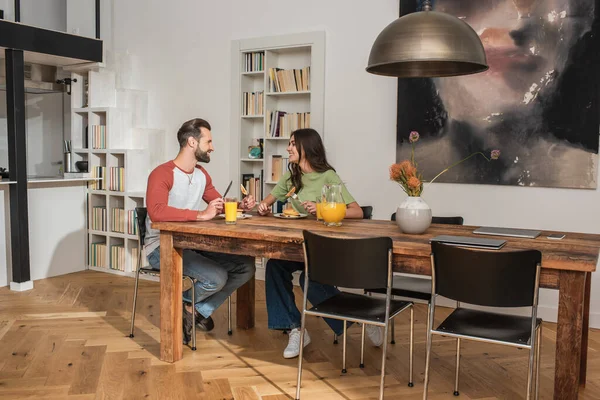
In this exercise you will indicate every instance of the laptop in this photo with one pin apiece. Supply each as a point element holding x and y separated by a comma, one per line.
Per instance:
<point>465,241</point>
<point>520,233</point>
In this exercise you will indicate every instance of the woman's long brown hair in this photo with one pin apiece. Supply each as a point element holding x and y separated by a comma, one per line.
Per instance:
<point>308,142</point>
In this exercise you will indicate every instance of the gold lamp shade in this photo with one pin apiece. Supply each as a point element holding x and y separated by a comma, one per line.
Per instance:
<point>427,44</point>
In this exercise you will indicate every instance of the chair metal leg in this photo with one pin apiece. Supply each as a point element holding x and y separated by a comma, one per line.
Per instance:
<point>538,349</point>
<point>193,312</point>
<point>457,367</point>
<point>229,331</point>
<point>300,355</point>
<point>393,323</point>
<point>135,292</point>
<point>362,347</point>
<point>411,348</point>
<point>427,356</point>
<point>335,339</point>
<point>532,352</point>
<point>344,340</point>
<point>383,357</point>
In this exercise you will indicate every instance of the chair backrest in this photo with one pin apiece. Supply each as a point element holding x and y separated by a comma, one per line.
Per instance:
<point>349,263</point>
<point>141,213</point>
<point>367,212</point>
<point>486,278</point>
<point>447,220</point>
<point>441,220</point>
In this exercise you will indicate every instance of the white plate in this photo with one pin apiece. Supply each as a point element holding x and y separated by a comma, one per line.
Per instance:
<point>244,216</point>
<point>283,216</point>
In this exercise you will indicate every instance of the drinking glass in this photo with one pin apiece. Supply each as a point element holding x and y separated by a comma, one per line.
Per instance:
<point>230,210</point>
<point>319,203</point>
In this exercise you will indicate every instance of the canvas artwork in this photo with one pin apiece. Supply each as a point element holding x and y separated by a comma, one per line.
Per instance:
<point>538,103</point>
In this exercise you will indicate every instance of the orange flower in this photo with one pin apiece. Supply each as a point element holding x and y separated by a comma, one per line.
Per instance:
<point>413,182</point>
<point>395,172</point>
<point>408,168</point>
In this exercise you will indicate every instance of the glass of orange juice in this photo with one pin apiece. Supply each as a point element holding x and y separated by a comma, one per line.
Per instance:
<point>230,210</point>
<point>319,204</point>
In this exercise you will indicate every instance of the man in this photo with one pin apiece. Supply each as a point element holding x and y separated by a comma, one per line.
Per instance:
<point>175,192</point>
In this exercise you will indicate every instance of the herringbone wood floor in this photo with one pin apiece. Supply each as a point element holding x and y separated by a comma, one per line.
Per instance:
<point>67,339</point>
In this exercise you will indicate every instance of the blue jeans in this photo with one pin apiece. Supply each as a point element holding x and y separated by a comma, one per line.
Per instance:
<point>281,307</point>
<point>217,276</point>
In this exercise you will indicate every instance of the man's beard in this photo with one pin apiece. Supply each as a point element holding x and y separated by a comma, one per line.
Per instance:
<point>202,156</point>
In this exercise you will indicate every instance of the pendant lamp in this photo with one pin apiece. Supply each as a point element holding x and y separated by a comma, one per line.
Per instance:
<point>427,44</point>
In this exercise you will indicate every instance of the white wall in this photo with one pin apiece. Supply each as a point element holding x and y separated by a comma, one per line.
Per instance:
<point>183,48</point>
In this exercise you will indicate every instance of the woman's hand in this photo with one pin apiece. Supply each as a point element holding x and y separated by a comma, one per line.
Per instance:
<point>310,207</point>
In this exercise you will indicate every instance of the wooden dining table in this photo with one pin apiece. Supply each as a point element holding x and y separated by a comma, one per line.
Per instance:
<point>567,265</point>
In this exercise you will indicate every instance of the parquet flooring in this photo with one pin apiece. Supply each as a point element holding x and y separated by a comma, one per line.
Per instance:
<point>67,339</point>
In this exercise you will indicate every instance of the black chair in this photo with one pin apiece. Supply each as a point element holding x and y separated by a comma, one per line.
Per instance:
<point>489,279</point>
<point>412,287</point>
<point>341,262</point>
<point>141,213</point>
<point>367,212</point>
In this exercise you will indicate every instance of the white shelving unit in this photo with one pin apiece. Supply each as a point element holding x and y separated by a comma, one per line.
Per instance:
<point>96,101</point>
<point>285,52</point>
<point>296,51</point>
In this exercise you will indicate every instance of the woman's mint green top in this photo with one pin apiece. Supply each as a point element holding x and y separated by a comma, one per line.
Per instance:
<point>311,190</point>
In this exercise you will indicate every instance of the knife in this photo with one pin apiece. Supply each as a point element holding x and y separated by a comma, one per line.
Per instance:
<point>227,190</point>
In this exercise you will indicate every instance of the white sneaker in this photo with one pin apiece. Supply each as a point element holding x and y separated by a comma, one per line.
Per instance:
<point>375,334</point>
<point>293,348</point>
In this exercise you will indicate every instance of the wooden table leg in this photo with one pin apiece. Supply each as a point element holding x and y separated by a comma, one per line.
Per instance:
<point>245,305</point>
<point>586,327</point>
<point>171,329</point>
<point>568,334</point>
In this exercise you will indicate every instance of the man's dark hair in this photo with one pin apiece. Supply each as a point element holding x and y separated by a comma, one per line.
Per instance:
<point>191,128</point>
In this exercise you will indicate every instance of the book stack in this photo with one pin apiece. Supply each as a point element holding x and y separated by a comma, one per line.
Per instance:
<point>289,80</point>
<point>132,228</point>
<point>98,255</point>
<point>117,179</point>
<point>117,257</point>
<point>98,136</point>
<point>98,219</point>
<point>282,124</point>
<point>279,166</point>
<point>99,172</point>
<point>253,185</point>
<point>252,103</point>
<point>117,221</point>
<point>254,62</point>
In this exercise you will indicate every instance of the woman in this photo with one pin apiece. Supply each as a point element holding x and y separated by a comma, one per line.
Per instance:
<point>308,172</point>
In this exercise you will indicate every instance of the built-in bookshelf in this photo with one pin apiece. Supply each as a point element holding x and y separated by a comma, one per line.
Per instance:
<point>278,87</point>
<point>105,133</point>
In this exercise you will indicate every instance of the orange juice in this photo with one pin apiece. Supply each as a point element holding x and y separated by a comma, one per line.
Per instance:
<point>230,212</point>
<point>319,208</point>
<point>333,213</point>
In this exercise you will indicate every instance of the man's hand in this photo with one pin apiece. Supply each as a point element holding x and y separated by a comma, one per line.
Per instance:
<point>248,203</point>
<point>263,208</point>
<point>214,208</point>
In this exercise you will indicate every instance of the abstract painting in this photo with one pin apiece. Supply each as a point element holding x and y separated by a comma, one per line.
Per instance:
<point>538,102</point>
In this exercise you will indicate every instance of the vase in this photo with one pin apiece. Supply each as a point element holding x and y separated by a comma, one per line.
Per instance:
<point>413,215</point>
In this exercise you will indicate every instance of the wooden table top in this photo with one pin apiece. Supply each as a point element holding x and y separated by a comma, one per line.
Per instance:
<point>576,252</point>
